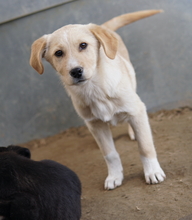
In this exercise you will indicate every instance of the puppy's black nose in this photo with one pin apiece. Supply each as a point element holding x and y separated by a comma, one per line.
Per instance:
<point>77,72</point>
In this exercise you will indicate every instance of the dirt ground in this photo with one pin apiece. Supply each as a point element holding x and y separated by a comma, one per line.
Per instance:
<point>134,200</point>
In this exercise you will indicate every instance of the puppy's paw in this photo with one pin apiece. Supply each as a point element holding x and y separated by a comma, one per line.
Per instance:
<point>113,181</point>
<point>155,177</point>
<point>132,136</point>
<point>131,133</point>
<point>152,170</point>
<point>115,171</point>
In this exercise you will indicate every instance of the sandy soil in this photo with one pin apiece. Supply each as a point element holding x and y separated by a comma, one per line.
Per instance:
<point>134,200</point>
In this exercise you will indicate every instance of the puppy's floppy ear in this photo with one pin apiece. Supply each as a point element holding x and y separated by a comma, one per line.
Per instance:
<point>107,40</point>
<point>20,150</point>
<point>37,52</point>
<point>24,152</point>
<point>3,149</point>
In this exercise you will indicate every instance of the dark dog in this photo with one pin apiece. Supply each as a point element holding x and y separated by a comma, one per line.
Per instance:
<point>32,190</point>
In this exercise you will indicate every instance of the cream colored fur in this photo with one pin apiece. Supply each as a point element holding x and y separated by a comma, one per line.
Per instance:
<point>108,93</point>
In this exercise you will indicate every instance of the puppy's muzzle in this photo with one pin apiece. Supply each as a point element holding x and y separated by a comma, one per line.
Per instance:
<point>77,74</point>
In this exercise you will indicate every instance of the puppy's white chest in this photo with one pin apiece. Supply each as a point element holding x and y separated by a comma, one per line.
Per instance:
<point>103,110</point>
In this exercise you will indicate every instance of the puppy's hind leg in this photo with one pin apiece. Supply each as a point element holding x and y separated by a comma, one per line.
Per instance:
<point>131,133</point>
<point>102,134</point>
<point>152,170</point>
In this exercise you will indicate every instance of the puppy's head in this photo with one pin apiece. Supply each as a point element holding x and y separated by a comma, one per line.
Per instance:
<point>16,149</point>
<point>74,51</point>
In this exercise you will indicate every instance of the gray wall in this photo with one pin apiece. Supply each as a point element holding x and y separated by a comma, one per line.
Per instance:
<point>14,9</point>
<point>34,106</point>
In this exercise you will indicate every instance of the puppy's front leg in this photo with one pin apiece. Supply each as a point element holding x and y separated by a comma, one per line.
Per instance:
<point>102,134</point>
<point>152,170</point>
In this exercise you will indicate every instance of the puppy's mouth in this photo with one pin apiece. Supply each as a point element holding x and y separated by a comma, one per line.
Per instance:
<point>79,81</point>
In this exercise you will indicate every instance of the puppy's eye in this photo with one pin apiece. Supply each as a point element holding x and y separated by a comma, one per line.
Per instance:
<point>82,46</point>
<point>59,53</point>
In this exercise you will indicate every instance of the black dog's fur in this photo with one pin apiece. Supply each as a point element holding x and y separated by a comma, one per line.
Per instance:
<point>32,190</point>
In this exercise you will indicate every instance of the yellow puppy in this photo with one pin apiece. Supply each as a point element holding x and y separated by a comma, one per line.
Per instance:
<point>94,66</point>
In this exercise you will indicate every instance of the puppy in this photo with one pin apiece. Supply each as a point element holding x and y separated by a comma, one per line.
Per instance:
<point>31,190</point>
<point>94,66</point>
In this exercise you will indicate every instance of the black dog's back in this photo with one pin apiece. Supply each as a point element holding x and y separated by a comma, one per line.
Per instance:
<point>32,190</point>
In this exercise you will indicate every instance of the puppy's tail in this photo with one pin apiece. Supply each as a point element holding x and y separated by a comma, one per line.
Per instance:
<point>125,19</point>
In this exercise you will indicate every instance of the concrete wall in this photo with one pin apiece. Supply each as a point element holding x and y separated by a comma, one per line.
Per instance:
<point>34,106</point>
<point>11,10</point>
